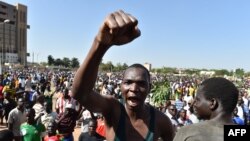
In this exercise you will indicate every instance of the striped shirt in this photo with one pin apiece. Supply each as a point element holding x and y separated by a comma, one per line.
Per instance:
<point>62,102</point>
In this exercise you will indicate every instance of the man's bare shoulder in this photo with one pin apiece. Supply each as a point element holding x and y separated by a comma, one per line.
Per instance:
<point>164,128</point>
<point>112,115</point>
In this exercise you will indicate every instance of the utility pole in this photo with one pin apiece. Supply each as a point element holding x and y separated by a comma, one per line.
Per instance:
<point>37,57</point>
<point>3,49</point>
<point>32,58</point>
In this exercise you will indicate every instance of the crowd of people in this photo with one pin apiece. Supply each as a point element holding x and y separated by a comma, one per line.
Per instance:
<point>27,105</point>
<point>114,106</point>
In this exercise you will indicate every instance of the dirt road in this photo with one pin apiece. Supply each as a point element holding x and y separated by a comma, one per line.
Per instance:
<point>76,133</point>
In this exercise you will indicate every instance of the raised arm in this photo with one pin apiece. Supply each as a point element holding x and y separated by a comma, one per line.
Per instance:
<point>118,28</point>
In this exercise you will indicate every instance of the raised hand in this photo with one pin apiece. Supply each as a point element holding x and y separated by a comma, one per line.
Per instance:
<point>118,28</point>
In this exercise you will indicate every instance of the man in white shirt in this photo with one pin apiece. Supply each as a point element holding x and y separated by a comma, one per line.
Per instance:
<point>16,118</point>
<point>48,116</point>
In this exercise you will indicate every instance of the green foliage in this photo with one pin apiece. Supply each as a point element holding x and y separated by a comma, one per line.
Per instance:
<point>222,72</point>
<point>58,62</point>
<point>120,67</point>
<point>239,72</point>
<point>74,62</point>
<point>51,60</point>
<point>191,71</point>
<point>65,62</point>
<point>109,67</point>
<point>165,70</point>
<point>247,74</point>
<point>161,92</point>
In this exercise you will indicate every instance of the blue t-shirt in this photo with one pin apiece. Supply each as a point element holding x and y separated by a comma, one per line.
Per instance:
<point>238,120</point>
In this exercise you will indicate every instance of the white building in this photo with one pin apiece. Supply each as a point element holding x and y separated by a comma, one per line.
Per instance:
<point>148,66</point>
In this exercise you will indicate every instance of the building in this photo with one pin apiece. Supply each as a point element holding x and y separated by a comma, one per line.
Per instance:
<point>13,33</point>
<point>148,66</point>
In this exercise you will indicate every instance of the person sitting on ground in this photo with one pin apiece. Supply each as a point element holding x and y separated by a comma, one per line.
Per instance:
<point>215,102</point>
<point>134,120</point>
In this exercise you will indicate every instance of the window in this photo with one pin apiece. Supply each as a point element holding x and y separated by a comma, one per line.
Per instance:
<point>2,13</point>
<point>3,6</point>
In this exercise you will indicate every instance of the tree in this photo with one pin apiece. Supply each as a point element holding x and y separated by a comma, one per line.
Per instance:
<point>124,66</point>
<point>221,72</point>
<point>120,67</point>
<point>165,70</point>
<point>161,92</point>
<point>239,72</point>
<point>110,66</point>
<point>58,62</point>
<point>51,60</point>
<point>191,71</point>
<point>74,63</point>
<point>101,66</point>
<point>66,62</point>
